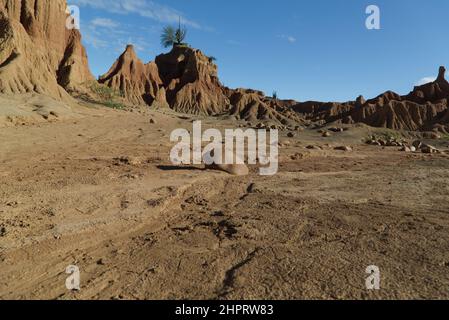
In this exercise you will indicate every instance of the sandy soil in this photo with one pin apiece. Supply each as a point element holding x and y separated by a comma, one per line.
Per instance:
<point>98,191</point>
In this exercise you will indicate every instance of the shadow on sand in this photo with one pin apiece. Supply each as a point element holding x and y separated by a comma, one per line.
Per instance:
<point>180,168</point>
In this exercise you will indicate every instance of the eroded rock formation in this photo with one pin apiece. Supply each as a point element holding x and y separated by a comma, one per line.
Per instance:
<point>191,82</point>
<point>252,105</point>
<point>188,81</point>
<point>37,52</point>
<point>425,109</point>
<point>139,83</point>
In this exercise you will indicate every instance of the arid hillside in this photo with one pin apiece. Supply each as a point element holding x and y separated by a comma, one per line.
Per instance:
<point>37,52</point>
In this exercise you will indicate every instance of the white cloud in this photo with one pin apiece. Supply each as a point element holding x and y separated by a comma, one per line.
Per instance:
<point>425,80</point>
<point>145,8</point>
<point>289,38</point>
<point>428,79</point>
<point>104,23</point>
<point>105,33</point>
<point>95,41</point>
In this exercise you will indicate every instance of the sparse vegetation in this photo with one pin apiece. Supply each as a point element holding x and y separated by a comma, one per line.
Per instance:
<point>212,59</point>
<point>387,135</point>
<point>275,95</point>
<point>114,105</point>
<point>173,36</point>
<point>106,96</point>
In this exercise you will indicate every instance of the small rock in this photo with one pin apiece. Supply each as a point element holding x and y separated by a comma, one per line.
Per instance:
<point>336,130</point>
<point>392,144</point>
<point>12,204</point>
<point>417,144</point>
<point>252,188</point>
<point>326,134</point>
<point>152,121</point>
<point>297,156</point>
<point>312,147</point>
<point>290,135</point>
<point>428,149</point>
<point>154,202</point>
<point>432,135</point>
<point>435,136</point>
<point>373,142</point>
<point>405,149</point>
<point>128,160</point>
<point>343,148</point>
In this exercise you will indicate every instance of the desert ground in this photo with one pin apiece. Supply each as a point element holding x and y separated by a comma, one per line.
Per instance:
<point>96,189</point>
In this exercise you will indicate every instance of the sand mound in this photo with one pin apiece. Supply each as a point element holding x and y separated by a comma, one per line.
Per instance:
<point>32,108</point>
<point>37,52</point>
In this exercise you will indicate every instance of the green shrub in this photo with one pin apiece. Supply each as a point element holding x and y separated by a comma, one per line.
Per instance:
<point>173,36</point>
<point>106,95</point>
<point>114,105</point>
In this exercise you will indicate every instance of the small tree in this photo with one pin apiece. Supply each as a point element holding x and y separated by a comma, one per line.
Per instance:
<point>275,95</point>
<point>173,36</point>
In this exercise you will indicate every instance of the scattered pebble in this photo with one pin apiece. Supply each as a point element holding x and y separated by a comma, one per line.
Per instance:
<point>251,188</point>
<point>428,149</point>
<point>312,147</point>
<point>343,148</point>
<point>336,130</point>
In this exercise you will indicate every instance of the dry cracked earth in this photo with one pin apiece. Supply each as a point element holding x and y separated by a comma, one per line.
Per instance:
<point>100,193</point>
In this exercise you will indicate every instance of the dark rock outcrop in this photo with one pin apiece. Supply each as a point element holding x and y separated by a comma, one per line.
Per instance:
<point>191,82</point>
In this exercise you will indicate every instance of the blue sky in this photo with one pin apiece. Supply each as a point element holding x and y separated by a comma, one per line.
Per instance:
<point>304,50</point>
